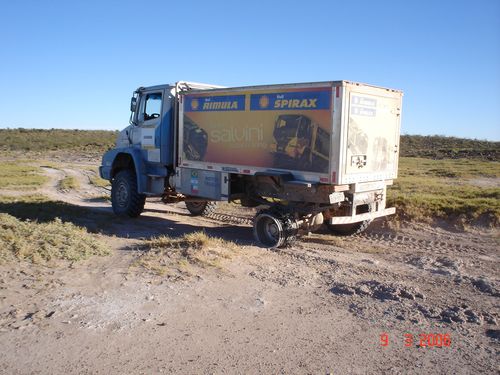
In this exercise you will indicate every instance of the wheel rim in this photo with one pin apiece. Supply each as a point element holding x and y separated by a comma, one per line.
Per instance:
<point>122,194</point>
<point>268,230</point>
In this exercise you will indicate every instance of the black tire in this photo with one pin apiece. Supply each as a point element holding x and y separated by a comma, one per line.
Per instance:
<point>272,228</point>
<point>348,229</point>
<point>354,228</point>
<point>125,198</point>
<point>268,230</point>
<point>202,208</point>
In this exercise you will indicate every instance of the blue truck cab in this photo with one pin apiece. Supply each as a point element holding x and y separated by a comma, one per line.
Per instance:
<point>143,162</point>
<point>146,145</point>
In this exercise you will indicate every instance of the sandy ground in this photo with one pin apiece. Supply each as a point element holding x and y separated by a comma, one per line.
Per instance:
<point>325,305</point>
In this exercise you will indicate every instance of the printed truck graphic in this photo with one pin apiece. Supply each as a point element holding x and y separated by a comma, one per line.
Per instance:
<point>283,130</point>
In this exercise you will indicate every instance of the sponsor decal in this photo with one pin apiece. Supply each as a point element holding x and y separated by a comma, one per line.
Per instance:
<point>294,100</point>
<point>361,111</point>
<point>364,101</point>
<point>194,182</point>
<point>282,129</point>
<point>215,103</point>
<point>363,106</point>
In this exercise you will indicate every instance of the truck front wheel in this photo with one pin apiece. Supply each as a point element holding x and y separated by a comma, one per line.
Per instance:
<point>201,208</point>
<point>125,198</point>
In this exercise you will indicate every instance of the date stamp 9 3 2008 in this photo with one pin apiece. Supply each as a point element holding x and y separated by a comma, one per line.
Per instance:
<point>422,340</point>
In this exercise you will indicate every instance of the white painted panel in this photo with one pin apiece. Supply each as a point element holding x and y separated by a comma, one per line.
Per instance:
<point>148,137</point>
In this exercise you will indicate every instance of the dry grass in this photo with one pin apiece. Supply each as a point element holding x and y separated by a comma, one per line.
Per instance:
<point>44,243</point>
<point>95,179</point>
<point>19,176</point>
<point>56,139</point>
<point>439,147</point>
<point>99,182</point>
<point>447,189</point>
<point>69,183</point>
<point>175,257</point>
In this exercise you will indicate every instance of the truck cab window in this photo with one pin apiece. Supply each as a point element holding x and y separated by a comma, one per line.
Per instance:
<point>152,107</point>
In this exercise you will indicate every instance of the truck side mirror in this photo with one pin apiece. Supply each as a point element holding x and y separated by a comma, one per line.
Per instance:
<point>133,104</point>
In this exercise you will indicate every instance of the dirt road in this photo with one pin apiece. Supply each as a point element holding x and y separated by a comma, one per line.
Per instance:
<point>418,300</point>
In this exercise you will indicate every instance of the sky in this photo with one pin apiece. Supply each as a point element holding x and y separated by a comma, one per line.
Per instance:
<point>74,64</point>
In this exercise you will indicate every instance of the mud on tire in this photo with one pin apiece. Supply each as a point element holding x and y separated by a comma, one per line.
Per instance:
<point>125,198</point>
<point>204,208</point>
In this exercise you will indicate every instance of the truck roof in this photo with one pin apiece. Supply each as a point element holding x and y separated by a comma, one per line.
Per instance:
<point>182,85</point>
<point>202,86</point>
<point>155,87</point>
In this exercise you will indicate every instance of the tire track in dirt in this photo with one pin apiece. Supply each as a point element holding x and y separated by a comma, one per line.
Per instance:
<point>418,240</point>
<point>415,243</point>
<point>83,195</point>
<point>442,242</point>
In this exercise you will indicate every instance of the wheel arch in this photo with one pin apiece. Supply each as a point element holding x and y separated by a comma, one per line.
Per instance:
<point>120,159</point>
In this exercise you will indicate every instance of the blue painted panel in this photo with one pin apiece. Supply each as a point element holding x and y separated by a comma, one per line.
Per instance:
<point>140,167</point>
<point>165,132</point>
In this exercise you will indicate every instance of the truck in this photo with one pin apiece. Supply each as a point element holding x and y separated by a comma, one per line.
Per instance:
<point>305,155</point>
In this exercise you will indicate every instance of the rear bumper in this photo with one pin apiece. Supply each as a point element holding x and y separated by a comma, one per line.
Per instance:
<point>361,217</point>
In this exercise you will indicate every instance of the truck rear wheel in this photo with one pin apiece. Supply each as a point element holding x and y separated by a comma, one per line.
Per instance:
<point>353,228</point>
<point>202,208</point>
<point>125,198</point>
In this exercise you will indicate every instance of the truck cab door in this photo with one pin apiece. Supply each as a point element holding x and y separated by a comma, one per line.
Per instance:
<point>149,116</point>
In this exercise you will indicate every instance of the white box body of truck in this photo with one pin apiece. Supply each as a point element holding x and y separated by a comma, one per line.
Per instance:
<point>333,132</point>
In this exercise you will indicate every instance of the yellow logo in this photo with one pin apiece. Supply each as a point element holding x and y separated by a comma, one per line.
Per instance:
<point>194,104</point>
<point>216,106</point>
<point>263,101</point>
<point>296,103</point>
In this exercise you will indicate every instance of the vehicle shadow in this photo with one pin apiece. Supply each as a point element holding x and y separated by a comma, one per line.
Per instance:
<point>98,219</point>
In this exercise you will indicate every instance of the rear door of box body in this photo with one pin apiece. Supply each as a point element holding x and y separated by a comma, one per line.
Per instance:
<point>369,141</point>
